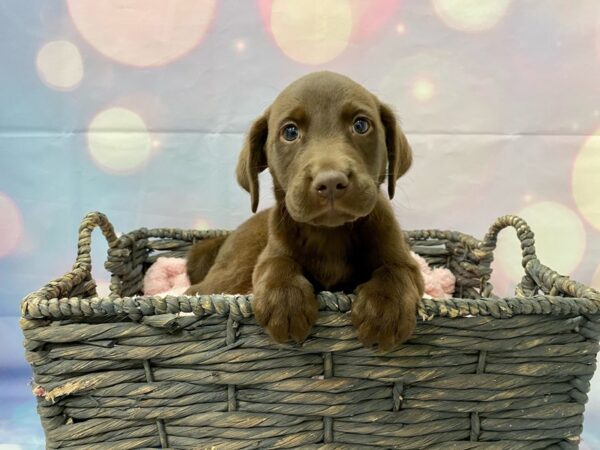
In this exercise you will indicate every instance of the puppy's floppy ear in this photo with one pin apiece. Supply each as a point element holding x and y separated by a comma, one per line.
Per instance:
<point>253,158</point>
<point>399,152</point>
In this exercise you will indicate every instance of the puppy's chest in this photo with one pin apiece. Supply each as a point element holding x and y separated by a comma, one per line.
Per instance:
<point>333,267</point>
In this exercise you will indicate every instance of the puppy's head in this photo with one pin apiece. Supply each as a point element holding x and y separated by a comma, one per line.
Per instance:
<point>328,143</point>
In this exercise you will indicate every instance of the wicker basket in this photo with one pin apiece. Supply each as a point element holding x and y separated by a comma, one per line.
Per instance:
<point>481,372</point>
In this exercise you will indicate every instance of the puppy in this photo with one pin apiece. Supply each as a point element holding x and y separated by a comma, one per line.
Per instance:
<point>329,145</point>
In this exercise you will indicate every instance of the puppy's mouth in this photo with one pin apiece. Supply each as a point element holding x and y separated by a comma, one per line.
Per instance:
<point>332,216</point>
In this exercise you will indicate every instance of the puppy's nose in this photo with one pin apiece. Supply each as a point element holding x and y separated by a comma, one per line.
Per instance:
<point>330,184</point>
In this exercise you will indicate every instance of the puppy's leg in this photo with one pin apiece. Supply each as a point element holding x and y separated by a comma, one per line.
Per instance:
<point>284,300</point>
<point>234,262</point>
<point>384,311</point>
<point>222,281</point>
<point>202,256</point>
<point>232,271</point>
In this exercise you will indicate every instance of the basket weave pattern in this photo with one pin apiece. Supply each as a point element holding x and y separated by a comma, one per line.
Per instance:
<point>481,372</point>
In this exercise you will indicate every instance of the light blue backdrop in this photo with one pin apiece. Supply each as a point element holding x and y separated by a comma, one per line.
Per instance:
<point>137,108</point>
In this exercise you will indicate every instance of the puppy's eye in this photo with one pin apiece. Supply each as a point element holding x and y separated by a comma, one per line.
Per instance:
<point>361,125</point>
<point>290,132</point>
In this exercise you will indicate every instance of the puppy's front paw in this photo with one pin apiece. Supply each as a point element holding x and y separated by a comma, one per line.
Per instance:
<point>384,314</point>
<point>286,310</point>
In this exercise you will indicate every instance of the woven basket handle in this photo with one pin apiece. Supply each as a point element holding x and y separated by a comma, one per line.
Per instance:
<point>525,235</point>
<point>83,263</point>
<point>79,280</point>
<point>84,247</point>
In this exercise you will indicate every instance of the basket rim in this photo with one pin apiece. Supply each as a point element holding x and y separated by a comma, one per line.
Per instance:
<point>49,301</point>
<point>239,307</point>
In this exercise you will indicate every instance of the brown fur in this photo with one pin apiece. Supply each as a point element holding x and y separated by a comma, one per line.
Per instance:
<point>312,239</point>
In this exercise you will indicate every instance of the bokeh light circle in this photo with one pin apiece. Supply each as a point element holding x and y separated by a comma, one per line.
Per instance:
<point>59,65</point>
<point>202,224</point>
<point>240,45</point>
<point>586,180</point>
<point>372,16</point>
<point>11,225</point>
<point>560,239</point>
<point>471,15</point>
<point>118,141</point>
<point>142,33</point>
<point>311,31</point>
<point>423,89</point>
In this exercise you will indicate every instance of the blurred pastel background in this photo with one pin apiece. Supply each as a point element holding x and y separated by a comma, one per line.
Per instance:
<point>137,108</point>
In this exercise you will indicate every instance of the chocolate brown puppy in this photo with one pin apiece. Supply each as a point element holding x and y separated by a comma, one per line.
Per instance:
<point>329,144</point>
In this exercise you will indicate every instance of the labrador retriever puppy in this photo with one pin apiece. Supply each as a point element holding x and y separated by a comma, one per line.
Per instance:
<point>329,144</point>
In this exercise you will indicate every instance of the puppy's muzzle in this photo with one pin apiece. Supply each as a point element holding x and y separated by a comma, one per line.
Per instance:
<point>330,184</point>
